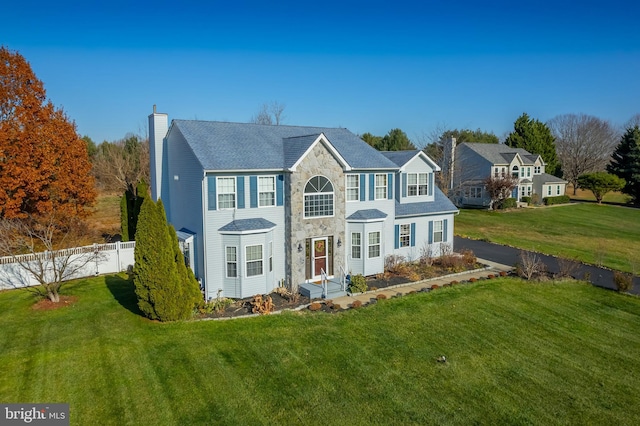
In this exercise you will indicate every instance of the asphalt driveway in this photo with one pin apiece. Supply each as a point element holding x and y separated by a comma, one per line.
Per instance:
<point>600,277</point>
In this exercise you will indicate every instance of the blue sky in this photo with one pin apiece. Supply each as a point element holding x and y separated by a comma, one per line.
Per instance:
<point>369,66</point>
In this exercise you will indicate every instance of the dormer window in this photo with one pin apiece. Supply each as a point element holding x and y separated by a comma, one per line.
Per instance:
<point>417,184</point>
<point>536,170</point>
<point>318,197</point>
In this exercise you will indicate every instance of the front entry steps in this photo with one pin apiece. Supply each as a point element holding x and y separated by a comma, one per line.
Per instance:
<point>314,291</point>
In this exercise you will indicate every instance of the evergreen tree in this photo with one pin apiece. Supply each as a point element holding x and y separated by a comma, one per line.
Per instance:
<point>625,162</point>
<point>535,137</point>
<point>163,292</point>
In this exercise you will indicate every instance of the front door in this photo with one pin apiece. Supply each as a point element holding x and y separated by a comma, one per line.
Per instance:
<point>319,259</point>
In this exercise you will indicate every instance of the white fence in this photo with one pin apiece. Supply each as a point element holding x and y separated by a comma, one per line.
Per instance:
<point>105,259</point>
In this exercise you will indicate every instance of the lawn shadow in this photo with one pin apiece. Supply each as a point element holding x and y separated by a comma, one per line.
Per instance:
<point>123,291</point>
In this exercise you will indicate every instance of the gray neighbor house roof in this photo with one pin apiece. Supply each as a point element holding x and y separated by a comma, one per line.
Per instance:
<point>498,153</point>
<point>247,146</point>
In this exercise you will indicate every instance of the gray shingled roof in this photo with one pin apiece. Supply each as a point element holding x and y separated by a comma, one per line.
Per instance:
<point>368,214</point>
<point>498,153</point>
<point>547,178</point>
<point>400,158</point>
<point>441,205</point>
<point>246,146</point>
<point>242,225</point>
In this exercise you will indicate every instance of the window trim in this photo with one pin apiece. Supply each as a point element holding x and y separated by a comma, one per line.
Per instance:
<point>270,256</point>
<point>376,187</point>
<point>220,193</point>
<point>227,262</point>
<point>418,186</point>
<point>375,244</point>
<point>356,246</point>
<point>404,237</point>
<point>247,261</point>
<point>352,188</point>
<point>436,231</point>
<point>260,205</point>
<point>309,195</point>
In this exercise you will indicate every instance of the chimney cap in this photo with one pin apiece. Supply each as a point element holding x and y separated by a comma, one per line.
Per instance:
<point>154,108</point>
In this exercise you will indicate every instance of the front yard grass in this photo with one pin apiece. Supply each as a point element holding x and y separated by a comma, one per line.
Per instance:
<point>597,234</point>
<point>517,353</point>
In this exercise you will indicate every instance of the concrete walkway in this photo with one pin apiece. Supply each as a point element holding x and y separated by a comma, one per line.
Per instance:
<point>492,268</point>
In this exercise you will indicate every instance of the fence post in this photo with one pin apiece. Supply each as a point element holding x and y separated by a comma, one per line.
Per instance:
<point>119,267</point>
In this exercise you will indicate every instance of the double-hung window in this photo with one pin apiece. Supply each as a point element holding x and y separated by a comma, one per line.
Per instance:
<point>405,235</point>
<point>226,192</point>
<point>353,187</point>
<point>438,231</point>
<point>266,191</point>
<point>374,244</point>
<point>355,245</point>
<point>254,260</point>
<point>417,184</point>
<point>232,262</point>
<point>381,186</point>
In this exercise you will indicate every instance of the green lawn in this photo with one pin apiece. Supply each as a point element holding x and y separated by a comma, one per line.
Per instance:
<point>607,235</point>
<point>518,353</point>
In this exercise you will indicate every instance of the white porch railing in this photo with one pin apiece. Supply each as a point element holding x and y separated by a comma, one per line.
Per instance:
<point>323,281</point>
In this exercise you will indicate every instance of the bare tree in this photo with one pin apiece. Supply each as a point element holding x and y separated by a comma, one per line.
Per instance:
<point>121,165</point>
<point>271,114</point>
<point>43,250</point>
<point>584,144</point>
<point>530,265</point>
<point>499,188</point>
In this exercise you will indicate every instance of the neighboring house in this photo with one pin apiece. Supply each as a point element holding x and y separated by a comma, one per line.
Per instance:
<point>259,206</point>
<point>474,162</point>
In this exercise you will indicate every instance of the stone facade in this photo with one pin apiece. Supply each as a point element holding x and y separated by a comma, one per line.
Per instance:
<point>319,161</point>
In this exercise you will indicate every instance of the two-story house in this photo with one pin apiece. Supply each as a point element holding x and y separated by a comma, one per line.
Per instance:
<point>257,206</point>
<point>474,162</point>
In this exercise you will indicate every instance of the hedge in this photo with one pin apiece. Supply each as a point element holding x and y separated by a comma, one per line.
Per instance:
<point>560,199</point>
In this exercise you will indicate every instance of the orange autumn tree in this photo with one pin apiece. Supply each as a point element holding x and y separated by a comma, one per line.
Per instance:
<point>44,165</point>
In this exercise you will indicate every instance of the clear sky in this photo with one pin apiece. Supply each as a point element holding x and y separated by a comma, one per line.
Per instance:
<point>369,66</point>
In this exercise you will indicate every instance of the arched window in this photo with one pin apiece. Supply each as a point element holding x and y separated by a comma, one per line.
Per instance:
<point>318,197</point>
<point>514,171</point>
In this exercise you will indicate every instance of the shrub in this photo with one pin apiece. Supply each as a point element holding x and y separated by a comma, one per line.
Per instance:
<point>392,262</point>
<point>526,200</point>
<point>260,305</point>
<point>508,203</point>
<point>530,265</point>
<point>218,304</point>
<point>560,199</point>
<point>414,276</point>
<point>358,284</point>
<point>536,200</point>
<point>315,306</point>
<point>567,267</point>
<point>468,257</point>
<point>623,281</point>
<point>356,304</point>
